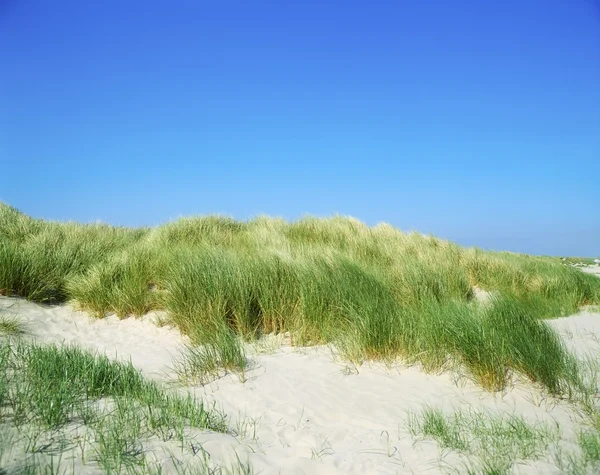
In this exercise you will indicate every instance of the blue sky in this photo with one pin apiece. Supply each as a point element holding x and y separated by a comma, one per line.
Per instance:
<point>478,121</point>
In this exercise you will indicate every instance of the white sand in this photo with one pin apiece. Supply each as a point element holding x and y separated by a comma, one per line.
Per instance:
<point>591,270</point>
<point>302,412</point>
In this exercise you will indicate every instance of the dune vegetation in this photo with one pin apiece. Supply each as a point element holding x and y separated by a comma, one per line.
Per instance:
<point>61,406</point>
<point>372,292</point>
<point>577,261</point>
<point>490,443</point>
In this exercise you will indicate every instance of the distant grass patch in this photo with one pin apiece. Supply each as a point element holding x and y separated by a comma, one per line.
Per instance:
<point>587,261</point>
<point>374,292</point>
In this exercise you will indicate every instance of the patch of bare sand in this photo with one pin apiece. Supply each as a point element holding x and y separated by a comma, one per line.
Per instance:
<point>591,270</point>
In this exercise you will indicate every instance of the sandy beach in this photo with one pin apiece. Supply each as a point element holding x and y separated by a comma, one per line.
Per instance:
<point>304,410</point>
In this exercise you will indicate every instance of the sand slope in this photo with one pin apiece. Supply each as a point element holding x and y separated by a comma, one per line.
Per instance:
<point>302,411</point>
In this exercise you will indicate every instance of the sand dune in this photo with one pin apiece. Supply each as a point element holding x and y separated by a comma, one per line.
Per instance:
<point>302,410</point>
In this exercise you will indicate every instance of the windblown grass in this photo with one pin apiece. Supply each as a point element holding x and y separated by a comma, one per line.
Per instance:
<point>205,363</point>
<point>53,399</point>
<point>375,293</point>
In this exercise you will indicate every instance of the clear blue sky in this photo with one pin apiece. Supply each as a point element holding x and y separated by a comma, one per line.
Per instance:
<point>477,121</point>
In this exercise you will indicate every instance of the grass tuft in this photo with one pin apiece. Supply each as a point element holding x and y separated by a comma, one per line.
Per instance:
<point>492,443</point>
<point>207,362</point>
<point>48,390</point>
<point>11,326</point>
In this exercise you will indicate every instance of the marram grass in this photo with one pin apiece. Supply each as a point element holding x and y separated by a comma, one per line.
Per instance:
<point>374,292</point>
<point>57,400</point>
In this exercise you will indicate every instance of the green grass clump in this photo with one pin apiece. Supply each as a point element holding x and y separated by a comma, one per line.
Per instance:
<point>50,383</point>
<point>123,284</point>
<point>374,292</point>
<point>492,443</point>
<point>11,326</point>
<point>514,340</point>
<point>589,442</point>
<point>205,363</point>
<point>37,264</point>
<point>47,390</point>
